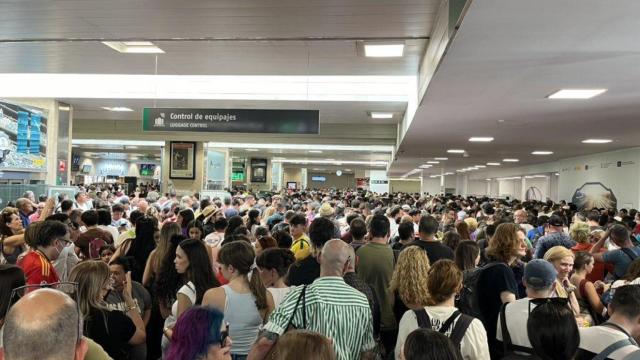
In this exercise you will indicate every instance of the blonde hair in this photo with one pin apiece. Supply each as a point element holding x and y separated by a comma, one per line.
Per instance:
<point>444,279</point>
<point>472,223</point>
<point>579,232</point>
<point>303,344</point>
<point>91,276</point>
<point>406,219</point>
<point>558,253</point>
<point>410,276</point>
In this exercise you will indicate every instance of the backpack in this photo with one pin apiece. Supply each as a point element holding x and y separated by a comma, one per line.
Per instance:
<point>467,302</point>
<point>508,347</point>
<point>458,330</point>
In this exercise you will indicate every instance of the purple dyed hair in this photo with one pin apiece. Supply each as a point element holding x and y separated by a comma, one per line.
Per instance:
<point>196,329</point>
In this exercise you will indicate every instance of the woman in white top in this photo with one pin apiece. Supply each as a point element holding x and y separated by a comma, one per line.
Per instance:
<point>192,262</point>
<point>273,264</point>
<point>444,282</point>
<point>245,302</point>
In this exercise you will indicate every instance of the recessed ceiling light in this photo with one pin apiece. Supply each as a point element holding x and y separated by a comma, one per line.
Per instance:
<point>596,141</point>
<point>481,139</point>
<point>576,93</point>
<point>251,150</point>
<point>381,115</point>
<point>510,160</point>
<point>488,179</point>
<point>542,153</point>
<point>116,108</point>
<point>383,50</point>
<point>441,158</point>
<point>315,151</point>
<point>480,166</point>
<point>134,47</point>
<point>455,151</point>
<point>493,163</point>
<point>425,166</point>
<point>433,162</point>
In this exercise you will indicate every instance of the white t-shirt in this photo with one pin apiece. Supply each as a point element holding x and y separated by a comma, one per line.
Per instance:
<point>596,338</point>
<point>474,344</point>
<point>278,294</point>
<point>517,315</point>
<point>111,230</point>
<point>189,290</point>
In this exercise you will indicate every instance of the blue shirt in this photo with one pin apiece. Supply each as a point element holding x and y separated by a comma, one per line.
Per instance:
<point>548,241</point>
<point>620,260</point>
<point>25,220</point>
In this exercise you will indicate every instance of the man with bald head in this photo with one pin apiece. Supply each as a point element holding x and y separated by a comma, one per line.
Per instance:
<point>328,306</point>
<point>45,324</point>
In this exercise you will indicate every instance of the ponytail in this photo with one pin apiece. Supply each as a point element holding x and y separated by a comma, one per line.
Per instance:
<point>257,288</point>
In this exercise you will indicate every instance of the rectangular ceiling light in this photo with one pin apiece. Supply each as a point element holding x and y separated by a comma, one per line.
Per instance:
<point>510,160</point>
<point>493,164</point>
<point>433,162</point>
<point>371,148</point>
<point>441,158</point>
<point>576,93</point>
<point>455,151</point>
<point>117,108</point>
<point>425,166</point>
<point>542,153</point>
<point>480,166</point>
<point>481,139</point>
<point>134,47</point>
<point>596,141</point>
<point>315,151</point>
<point>381,115</point>
<point>383,50</point>
<point>107,142</point>
<point>323,162</point>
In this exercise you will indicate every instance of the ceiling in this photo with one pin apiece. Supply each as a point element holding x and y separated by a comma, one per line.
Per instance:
<point>506,58</point>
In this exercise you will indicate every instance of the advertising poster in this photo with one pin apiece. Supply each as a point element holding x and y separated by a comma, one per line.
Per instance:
<point>182,160</point>
<point>258,170</point>
<point>362,183</point>
<point>23,137</point>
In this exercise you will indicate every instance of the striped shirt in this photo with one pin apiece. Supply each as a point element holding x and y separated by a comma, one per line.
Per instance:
<point>333,309</point>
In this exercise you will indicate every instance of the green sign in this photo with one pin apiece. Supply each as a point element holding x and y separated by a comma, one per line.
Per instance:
<point>237,176</point>
<point>232,120</point>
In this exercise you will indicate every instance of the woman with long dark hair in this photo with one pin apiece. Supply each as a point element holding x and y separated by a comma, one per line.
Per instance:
<point>11,235</point>
<point>184,218</point>
<point>142,245</point>
<point>192,262</point>
<point>245,302</point>
<point>253,220</point>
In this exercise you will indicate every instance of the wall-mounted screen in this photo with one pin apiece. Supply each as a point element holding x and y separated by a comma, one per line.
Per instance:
<point>23,137</point>
<point>319,178</point>
<point>147,169</point>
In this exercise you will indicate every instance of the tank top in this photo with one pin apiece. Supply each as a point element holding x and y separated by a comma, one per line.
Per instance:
<point>13,257</point>
<point>244,320</point>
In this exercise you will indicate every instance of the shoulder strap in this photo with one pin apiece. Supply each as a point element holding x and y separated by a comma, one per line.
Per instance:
<point>447,323</point>
<point>506,337</point>
<point>583,294</point>
<point>460,329</point>
<point>424,322</point>
<point>611,348</point>
<point>302,294</point>
<point>629,253</point>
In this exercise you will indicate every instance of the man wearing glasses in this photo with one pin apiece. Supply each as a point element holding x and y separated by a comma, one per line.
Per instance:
<point>50,238</point>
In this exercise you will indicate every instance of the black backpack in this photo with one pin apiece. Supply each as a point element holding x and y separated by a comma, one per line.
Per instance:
<point>458,330</point>
<point>468,302</point>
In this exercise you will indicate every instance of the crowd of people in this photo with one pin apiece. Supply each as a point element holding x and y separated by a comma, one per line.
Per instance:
<point>316,274</point>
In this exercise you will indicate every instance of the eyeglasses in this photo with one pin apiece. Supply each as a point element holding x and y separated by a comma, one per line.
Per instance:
<point>67,287</point>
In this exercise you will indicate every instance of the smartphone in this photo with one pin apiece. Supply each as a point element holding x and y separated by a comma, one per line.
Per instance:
<point>224,334</point>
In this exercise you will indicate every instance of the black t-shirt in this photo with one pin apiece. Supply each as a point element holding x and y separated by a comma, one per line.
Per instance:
<point>114,337</point>
<point>303,272</point>
<point>435,250</point>
<point>493,280</point>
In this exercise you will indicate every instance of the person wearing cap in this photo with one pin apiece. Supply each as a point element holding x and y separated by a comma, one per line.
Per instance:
<point>555,237</point>
<point>327,211</point>
<point>539,279</point>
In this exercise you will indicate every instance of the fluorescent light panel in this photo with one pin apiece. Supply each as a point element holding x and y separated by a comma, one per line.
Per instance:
<point>510,160</point>
<point>134,47</point>
<point>455,151</point>
<point>441,158</point>
<point>433,162</point>
<point>493,163</point>
<point>381,115</point>
<point>106,142</point>
<point>576,93</point>
<point>383,50</point>
<point>315,151</point>
<point>117,108</point>
<point>367,148</point>
<point>209,87</point>
<point>481,139</point>
<point>538,152</point>
<point>596,141</point>
<point>313,161</point>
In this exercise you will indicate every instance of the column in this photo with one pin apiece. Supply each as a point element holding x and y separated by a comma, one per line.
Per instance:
<point>184,186</point>
<point>523,189</point>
